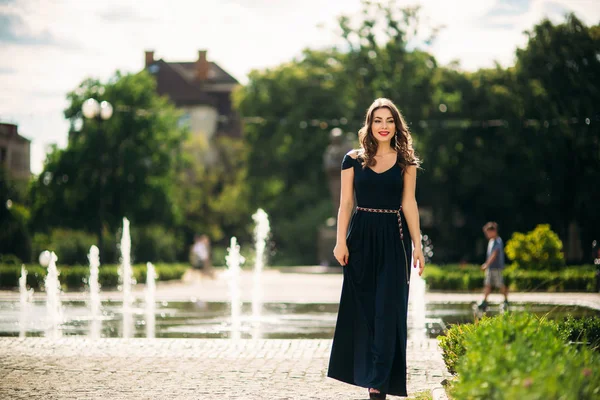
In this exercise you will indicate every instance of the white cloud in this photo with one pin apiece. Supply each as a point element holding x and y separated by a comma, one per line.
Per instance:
<point>97,38</point>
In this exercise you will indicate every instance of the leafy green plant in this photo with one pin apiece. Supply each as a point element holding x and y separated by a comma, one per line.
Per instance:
<point>453,344</point>
<point>586,330</point>
<point>520,356</point>
<point>540,249</point>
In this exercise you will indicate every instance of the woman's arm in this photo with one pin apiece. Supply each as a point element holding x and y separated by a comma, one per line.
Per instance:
<point>340,251</point>
<point>411,213</point>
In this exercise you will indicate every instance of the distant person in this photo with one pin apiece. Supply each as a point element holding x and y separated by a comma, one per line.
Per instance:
<point>200,254</point>
<point>493,265</point>
<point>374,245</point>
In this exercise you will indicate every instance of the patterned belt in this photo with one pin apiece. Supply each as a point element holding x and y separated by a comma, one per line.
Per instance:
<point>384,211</point>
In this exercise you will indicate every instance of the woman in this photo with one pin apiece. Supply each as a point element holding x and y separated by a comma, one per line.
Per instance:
<point>369,344</point>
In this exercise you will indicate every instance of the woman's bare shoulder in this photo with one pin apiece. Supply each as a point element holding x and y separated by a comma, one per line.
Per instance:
<point>354,153</point>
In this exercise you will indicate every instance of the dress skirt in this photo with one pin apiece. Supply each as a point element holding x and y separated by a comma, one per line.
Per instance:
<point>369,344</point>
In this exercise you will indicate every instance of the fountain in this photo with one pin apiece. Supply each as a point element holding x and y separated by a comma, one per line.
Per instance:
<point>261,234</point>
<point>150,300</point>
<point>126,271</point>
<point>417,325</point>
<point>234,259</point>
<point>94,259</point>
<point>53,302</point>
<point>25,297</point>
<point>126,280</point>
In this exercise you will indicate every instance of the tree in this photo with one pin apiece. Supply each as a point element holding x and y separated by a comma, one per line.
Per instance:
<point>123,167</point>
<point>559,79</point>
<point>519,145</point>
<point>385,59</point>
<point>214,195</point>
<point>292,108</point>
<point>290,111</point>
<point>14,216</point>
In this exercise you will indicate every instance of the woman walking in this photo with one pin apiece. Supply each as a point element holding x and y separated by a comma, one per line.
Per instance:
<point>375,247</point>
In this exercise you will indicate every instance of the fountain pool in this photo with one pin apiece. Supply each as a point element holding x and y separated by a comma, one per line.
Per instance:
<point>188,319</point>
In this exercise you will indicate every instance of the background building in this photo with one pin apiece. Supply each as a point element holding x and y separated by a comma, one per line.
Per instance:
<point>202,90</point>
<point>14,152</point>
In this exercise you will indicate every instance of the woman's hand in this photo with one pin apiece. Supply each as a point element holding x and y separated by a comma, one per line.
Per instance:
<point>340,252</point>
<point>418,257</point>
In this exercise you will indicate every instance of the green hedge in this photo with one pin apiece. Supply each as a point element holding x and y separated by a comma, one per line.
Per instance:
<point>586,330</point>
<point>581,330</point>
<point>470,277</point>
<point>521,356</point>
<point>76,277</point>
<point>453,343</point>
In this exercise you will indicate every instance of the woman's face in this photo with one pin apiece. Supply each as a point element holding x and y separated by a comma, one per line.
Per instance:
<point>383,126</point>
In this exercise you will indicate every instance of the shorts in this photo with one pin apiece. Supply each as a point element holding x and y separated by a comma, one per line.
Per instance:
<point>493,277</point>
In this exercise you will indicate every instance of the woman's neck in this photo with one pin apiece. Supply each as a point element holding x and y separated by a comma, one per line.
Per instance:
<point>383,149</point>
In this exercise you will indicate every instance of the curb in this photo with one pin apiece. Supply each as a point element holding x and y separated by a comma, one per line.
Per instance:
<point>439,393</point>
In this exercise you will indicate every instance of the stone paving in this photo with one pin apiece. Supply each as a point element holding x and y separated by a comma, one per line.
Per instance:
<point>80,368</point>
<point>74,368</point>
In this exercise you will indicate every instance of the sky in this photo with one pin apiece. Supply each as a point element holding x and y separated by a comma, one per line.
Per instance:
<point>47,47</point>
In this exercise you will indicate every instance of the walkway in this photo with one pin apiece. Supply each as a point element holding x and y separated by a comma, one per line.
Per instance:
<point>72,368</point>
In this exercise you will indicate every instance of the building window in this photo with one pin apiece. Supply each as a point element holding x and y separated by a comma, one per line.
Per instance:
<point>2,155</point>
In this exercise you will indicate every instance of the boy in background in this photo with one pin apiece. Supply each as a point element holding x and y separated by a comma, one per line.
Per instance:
<point>493,265</point>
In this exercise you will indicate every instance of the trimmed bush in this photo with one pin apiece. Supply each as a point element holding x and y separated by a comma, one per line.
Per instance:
<point>519,356</point>
<point>586,330</point>
<point>539,249</point>
<point>10,274</point>
<point>453,277</point>
<point>76,277</point>
<point>575,279</point>
<point>10,259</point>
<point>453,343</point>
<point>71,246</point>
<point>470,278</point>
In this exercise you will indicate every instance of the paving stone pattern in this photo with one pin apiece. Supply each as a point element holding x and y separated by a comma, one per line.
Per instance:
<point>79,368</point>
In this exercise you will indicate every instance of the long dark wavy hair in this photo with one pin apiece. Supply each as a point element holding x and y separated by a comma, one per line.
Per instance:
<point>401,141</point>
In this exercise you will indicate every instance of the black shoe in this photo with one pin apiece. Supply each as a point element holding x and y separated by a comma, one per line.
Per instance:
<point>376,396</point>
<point>483,305</point>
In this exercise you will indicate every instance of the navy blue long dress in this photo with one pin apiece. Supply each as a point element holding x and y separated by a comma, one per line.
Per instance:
<point>369,344</point>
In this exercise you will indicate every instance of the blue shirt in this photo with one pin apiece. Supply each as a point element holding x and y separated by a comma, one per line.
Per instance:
<point>496,244</point>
